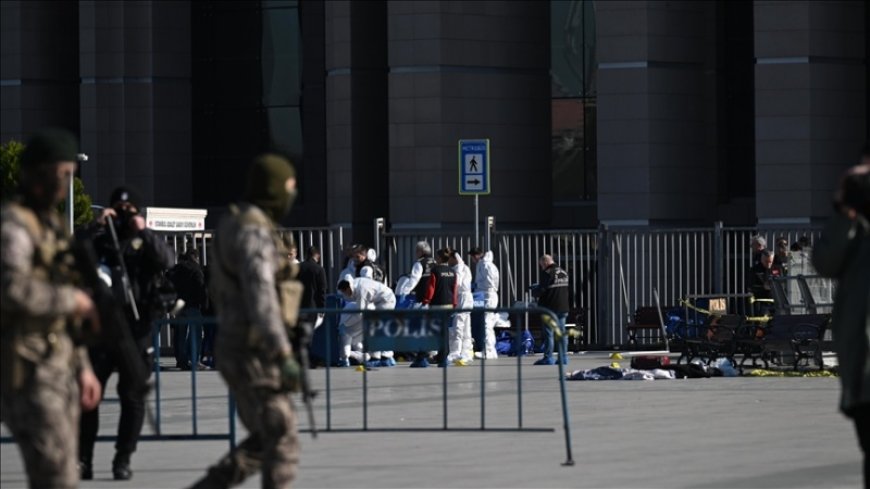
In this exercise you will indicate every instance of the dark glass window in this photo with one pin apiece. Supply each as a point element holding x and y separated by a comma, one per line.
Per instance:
<point>573,92</point>
<point>246,90</point>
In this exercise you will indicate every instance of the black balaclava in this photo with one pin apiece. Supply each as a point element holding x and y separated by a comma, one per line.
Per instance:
<point>266,185</point>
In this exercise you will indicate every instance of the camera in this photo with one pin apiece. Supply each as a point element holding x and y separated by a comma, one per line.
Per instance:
<point>122,220</point>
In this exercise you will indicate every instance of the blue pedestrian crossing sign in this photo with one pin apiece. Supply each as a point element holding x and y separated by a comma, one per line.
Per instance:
<point>473,166</point>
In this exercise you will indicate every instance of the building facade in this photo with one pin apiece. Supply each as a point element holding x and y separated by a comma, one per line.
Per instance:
<point>625,113</point>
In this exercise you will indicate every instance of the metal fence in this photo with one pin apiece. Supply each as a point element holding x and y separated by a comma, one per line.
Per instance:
<point>613,271</point>
<point>674,262</point>
<point>397,251</point>
<point>516,255</point>
<point>330,241</point>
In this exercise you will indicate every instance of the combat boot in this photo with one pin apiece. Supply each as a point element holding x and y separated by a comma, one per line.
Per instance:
<point>86,471</point>
<point>121,467</point>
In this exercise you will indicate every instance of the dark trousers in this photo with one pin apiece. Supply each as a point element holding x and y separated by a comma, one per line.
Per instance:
<point>207,351</point>
<point>181,337</point>
<point>861,416</point>
<point>549,343</point>
<point>105,361</point>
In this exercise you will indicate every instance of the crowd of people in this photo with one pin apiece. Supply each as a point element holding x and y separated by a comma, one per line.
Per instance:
<point>78,308</point>
<point>439,280</point>
<point>784,260</point>
<point>67,326</point>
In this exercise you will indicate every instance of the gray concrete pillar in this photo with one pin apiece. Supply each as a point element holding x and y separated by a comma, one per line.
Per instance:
<point>468,70</point>
<point>656,112</point>
<point>39,68</point>
<point>135,99</point>
<point>811,105</point>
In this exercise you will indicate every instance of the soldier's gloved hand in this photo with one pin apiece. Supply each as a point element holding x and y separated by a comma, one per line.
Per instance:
<point>291,374</point>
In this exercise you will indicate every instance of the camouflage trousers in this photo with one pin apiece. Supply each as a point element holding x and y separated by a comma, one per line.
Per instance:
<point>269,416</point>
<point>44,420</point>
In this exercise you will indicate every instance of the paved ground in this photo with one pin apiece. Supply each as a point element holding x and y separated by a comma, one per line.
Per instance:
<point>724,432</point>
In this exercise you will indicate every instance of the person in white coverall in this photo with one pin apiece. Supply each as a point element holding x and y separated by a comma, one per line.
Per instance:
<point>350,336</point>
<point>379,358</point>
<point>486,280</point>
<point>461,348</point>
<point>370,294</point>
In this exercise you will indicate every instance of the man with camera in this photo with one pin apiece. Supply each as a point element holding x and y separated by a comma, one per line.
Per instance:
<point>137,258</point>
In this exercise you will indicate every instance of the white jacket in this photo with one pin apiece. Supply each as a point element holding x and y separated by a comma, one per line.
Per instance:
<point>408,286</point>
<point>487,277</point>
<point>367,291</point>
<point>463,284</point>
<point>349,269</point>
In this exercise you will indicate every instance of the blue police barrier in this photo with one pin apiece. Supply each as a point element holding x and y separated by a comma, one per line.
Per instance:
<point>426,330</point>
<point>195,323</point>
<point>325,347</point>
<point>155,417</point>
<point>409,329</point>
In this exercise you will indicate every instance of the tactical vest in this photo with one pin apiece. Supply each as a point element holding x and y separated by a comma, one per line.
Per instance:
<point>289,289</point>
<point>420,290</point>
<point>377,272</point>
<point>50,263</point>
<point>445,286</point>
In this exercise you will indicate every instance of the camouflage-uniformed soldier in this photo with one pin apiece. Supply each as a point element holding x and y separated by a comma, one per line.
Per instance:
<point>256,302</point>
<point>45,378</point>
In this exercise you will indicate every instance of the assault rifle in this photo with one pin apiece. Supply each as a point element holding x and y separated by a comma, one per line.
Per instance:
<point>129,298</point>
<point>302,338</point>
<point>114,333</point>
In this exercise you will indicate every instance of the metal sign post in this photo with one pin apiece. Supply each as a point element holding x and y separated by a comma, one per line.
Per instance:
<point>474,175</point>
<point>70,198</point>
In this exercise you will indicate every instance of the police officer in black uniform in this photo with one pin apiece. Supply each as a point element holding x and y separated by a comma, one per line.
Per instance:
<point>440,291</point>
<point>146,256</point>
<point>552,293</point>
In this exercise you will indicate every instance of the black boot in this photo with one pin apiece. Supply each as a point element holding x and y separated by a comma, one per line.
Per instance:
<point>86,472</point>
<point>121,467</point>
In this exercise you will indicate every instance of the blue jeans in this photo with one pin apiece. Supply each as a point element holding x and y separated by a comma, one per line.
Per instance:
<point>181,338</point>
<point>548,336</point>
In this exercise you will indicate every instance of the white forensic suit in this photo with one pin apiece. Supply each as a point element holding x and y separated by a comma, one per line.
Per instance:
<point>350,333</point>
<point>371,294</point>
<point>486,281</point>
<point>461,344</point>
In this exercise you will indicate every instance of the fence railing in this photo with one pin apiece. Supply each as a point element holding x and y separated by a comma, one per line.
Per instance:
<point>613,271</point>
<point>330,241</point>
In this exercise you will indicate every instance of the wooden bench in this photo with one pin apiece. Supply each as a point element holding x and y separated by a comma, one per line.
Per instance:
<point>798,336</point>
<point>646,324</point>
<point>718,340</point>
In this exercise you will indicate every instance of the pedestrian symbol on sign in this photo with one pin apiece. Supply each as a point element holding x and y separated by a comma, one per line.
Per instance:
<point>472,164</point>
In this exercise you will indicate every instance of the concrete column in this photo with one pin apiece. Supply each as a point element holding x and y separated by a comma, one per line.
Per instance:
<point>464,70</point>
<point>135,99</point>
<point>39,68</point>
<point>656,112</point>
<point>811,104</point>
<point>356,132</point>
